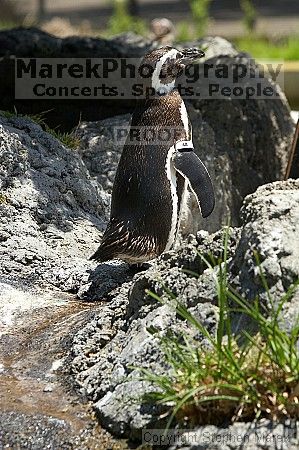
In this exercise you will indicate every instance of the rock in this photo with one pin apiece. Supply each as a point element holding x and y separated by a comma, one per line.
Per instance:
<point>102,281</point>
<point>131,45</point>
<point>35,43</point>
<point>100,147</point>
<point>127,420</point>
<point>271,222</point>
<point>37,431</point>
<point>237,138</point>
<point>52,212</point>
<point>259,435</point>
<point>19,429</point>
<point>108,351</point>
<point>32,42</point>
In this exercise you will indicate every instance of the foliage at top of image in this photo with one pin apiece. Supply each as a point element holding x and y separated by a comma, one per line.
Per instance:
<point>121,21</point>
<point>7,25</point>
<point>250,14</point>
<point>235,377</point>
<point>69,139</point>
<point>200,14</point>
<point>286,48</point>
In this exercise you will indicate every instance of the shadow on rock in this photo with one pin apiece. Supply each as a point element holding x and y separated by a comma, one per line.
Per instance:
<point>52,211</point>
<point>104,279</point>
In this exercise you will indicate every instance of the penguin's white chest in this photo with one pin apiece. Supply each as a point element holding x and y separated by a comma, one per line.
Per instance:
<point>185,120</point>
<point>171,173</point>
<point>172,178</point>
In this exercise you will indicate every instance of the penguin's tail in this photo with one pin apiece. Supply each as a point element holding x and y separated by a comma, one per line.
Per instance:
<point>106,252</point>
<point>99,256</point>
<point>113,243</point>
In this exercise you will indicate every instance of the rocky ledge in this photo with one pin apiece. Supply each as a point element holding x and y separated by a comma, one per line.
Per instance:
<point>120,337</point>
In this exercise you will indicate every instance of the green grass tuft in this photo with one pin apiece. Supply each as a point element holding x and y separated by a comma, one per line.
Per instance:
<point>185,32</point>
<point>261,47</point>
<point>200,14</point>
<point>121,21</point>
<point>3,199</point>
<point>7,24</point>
<point>239,377</point>
<point>69,139</point>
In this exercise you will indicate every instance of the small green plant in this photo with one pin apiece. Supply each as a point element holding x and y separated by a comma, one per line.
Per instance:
<point>69,139</point>
<point>3,199</point>
<point>236,376</point>
<point>184,33</point>
<point>250,15</point>
<point>36,118</point>
<point>200,13</point>
<point>121,21</point>
<point>286,48</point>
<point>7,25</point>
<point>9,17</point>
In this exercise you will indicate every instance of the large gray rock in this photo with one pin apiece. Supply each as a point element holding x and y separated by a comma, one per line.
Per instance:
<point>32,42</point>
<point>271,224</point>
<point>245,143</point>
<point>126,333</point>
<point>66,113</point>
<point>259,435</point>
<point>35,43</point>
<point>52,212</point>
<point>100,149</point>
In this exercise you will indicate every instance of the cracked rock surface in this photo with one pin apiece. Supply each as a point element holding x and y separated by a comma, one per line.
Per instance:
<point>106,351</point>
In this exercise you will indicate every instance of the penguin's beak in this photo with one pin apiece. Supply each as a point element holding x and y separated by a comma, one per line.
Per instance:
<point>191,55</point>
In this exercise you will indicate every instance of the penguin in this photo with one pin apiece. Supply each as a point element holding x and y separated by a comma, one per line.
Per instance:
<point>152,177</point>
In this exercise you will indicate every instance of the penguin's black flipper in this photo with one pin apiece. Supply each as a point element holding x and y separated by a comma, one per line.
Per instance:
<point>190,166</point>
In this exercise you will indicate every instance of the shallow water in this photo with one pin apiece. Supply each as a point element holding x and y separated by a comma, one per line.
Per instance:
<point>34,333</point>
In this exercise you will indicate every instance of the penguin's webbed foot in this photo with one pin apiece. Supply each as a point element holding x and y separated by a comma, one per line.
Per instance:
<point>138,267</point>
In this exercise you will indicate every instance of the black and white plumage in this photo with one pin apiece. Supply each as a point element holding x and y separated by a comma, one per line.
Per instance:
<point>152,178</point>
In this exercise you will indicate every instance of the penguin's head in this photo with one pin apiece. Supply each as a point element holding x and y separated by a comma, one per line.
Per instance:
<point>163,65</point>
